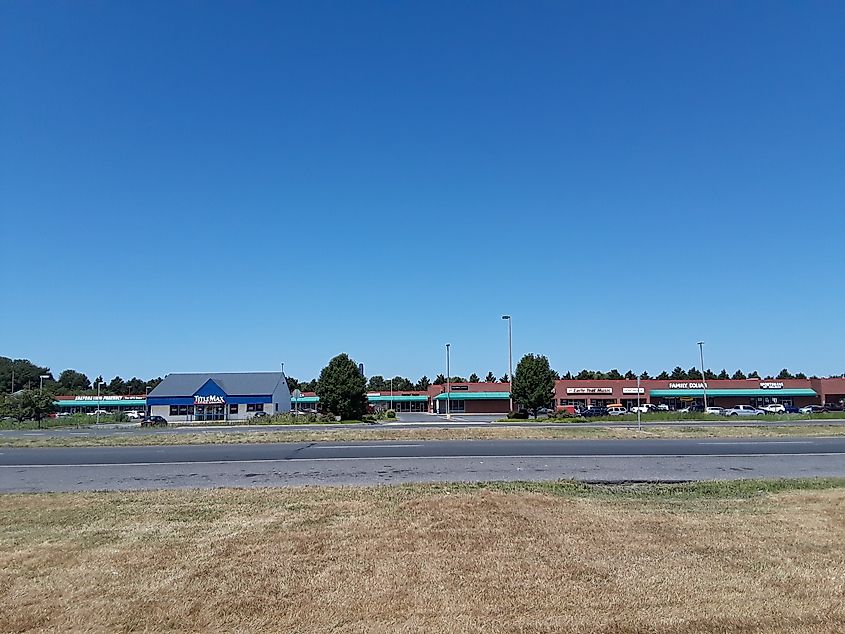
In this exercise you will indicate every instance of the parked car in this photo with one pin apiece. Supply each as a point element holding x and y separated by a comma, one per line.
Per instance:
<point>743,410</point>
<point>662,407</point>
<point>813,409</point>
<point>101,412</point>
<point>791,409</point>
<point>774,408</point>
<point>260,414</point>
<point>692,409</point>
<point>644,408</point>
<point>154,421</point>
<point>717,411</point>
<point>616,410</point>
<point>594,411</point>
<point>134,415</point>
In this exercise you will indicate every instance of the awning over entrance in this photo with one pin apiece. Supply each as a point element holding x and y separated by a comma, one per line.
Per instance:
<point>104,401</point>
<point>473,396</point>
<point>386,398</point>
<point>751,392</point>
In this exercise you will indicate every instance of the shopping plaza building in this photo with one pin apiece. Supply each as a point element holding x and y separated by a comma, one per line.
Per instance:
<point>240,396</point>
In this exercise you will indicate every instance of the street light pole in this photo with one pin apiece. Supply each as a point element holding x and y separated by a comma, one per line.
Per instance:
<point>99,383</point>
<point>510,357</point>
<point>41,378</point>
<point>639,421</point>
<point>703,378</point>
<point>448,381</point>
<point>391,394</point>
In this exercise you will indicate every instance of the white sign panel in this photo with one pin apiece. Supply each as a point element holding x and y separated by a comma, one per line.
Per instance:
<point>777,385</point>
<point>633,390</point>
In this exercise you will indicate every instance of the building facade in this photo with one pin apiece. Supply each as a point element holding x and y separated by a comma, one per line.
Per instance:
<point>720,393</point>
<point>232,396</point>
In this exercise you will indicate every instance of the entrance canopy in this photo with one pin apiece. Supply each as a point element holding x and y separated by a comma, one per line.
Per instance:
<point>749,392</point>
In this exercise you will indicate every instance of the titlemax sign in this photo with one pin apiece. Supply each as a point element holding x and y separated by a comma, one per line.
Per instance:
<point>209,400</point>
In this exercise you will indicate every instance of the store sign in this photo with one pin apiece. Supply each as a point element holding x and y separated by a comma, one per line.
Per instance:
<point>109,397</point>
<point>589,390</point>
<point>687,385</point>
<point>771,385</point>
<point>462,388</point>
<point>209,400</point>
<point>633,390</point>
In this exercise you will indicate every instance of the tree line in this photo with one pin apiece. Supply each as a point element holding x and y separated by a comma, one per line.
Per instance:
<point>22,374</point>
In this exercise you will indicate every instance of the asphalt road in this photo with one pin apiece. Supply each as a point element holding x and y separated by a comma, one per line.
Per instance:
<point>366,463</point>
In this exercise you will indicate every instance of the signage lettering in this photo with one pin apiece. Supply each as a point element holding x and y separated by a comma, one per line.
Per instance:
<point>209,400</point>
<point>633,390</point>
<point>771,385</point>
<point>692,385</point>
<point>110,397</point>
<point>589,390</point>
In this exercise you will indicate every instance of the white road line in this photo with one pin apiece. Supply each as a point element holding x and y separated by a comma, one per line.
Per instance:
<point>763,442</point>
<point>361,446</point>
<point>34,434</point>
<point>339,459</point>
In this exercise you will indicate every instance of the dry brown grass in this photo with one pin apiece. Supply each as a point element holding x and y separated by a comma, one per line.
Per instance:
<point>423,559</point>
<point>492,432</point>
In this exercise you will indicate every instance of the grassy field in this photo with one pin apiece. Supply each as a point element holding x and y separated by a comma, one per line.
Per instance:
<point>739,557</point>
<point>137,438</point>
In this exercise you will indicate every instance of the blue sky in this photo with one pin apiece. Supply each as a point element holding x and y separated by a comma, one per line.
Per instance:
<point>224,186</point>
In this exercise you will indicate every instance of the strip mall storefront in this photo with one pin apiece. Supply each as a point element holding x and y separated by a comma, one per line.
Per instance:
<point>108,403</point>
<point>678,394</point>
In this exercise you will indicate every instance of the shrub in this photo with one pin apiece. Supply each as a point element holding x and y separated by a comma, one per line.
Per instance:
<point>390,414</point>
<point>519,414</point>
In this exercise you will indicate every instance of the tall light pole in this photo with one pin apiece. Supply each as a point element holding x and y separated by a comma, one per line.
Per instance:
<point>703,378</point>
<point>99,383</point>
<point>510,357</point>
<point>146,398</point>
<point>391,394</point>
<point>448,381</point>
<point>41,378</point>
<point>639,420</point>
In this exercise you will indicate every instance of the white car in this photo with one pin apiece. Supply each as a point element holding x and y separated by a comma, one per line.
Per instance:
<point>718,411</point>
<point>134,415</point>
<point>662,407</point>
<point>101,412</point>
<point>774,408</point>
<point>645,408</point>
<point>743,410</point>
<point>616,410</point>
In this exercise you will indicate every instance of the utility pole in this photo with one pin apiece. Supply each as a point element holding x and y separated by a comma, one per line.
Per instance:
<point>448,382</point>
<point>703,378</point>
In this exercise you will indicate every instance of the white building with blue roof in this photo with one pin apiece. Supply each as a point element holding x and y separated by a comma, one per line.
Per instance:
<point>219,396</point>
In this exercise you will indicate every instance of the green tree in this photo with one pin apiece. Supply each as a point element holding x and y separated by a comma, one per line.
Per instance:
<point>754,375</point>
<point>490,378</point>
<point>73,381</point>
<point>614,375</point>
<point>26,374</point>
<point>694,374</point>
<point>439,380</point>
<point>377,383</point>
<point>293,384</point>
<point>567,376</point>
<point>664,376</point>
<point>400,384</point>
<point>116,386</point>
<point>630,376</point>
<point>739,375</point>
<point>308,386</point>
<point>458,379</point>
<point>585,375</point>
<point>533,382</point>
<point>28,405</point>
<point>504,379</point>
<point>473,378</point>
<point>423,383</point>
<point>644,376</point>
<point>723,375</point>
<point>678,374</point>
<point>785,374</point>
<point>342,389</point>
<point>135,386</point>
<point>800,375</point>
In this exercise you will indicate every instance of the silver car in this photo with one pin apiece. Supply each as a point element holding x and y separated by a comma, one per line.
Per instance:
<point>743,410</point>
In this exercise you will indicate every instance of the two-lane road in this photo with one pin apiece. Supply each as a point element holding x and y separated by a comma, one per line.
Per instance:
<point>281,464</point>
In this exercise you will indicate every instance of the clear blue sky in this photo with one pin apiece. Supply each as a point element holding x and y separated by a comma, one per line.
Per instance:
<point>224,186</point>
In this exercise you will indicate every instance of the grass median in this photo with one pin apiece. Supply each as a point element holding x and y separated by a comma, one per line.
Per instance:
<point>737,557</point>
<point>493,432</point>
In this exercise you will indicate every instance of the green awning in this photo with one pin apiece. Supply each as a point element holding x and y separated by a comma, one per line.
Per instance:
<point>740,392</point>
<point>305,399</point>
<point>386,398</point>
<point>473,396</point>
